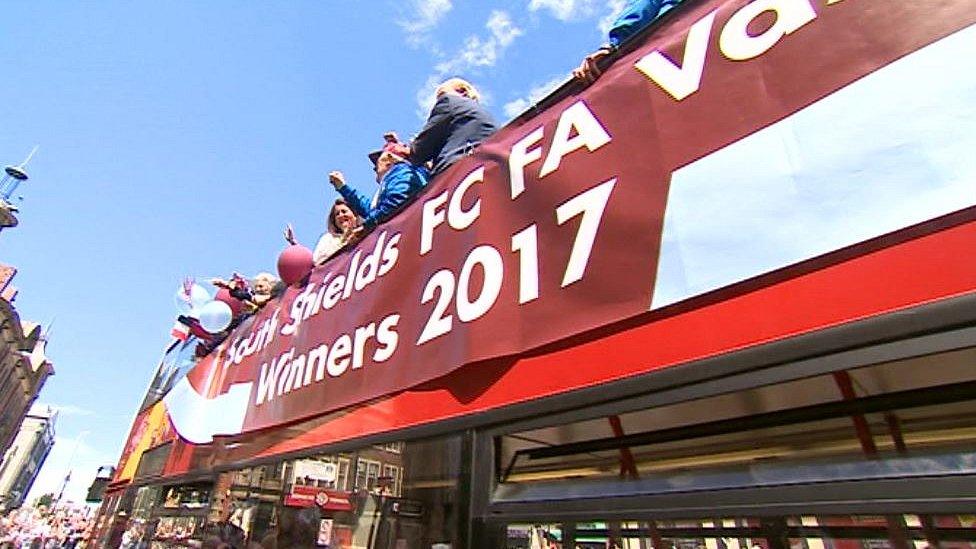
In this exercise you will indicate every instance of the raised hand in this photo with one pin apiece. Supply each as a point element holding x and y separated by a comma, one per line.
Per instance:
<point>337,179</point>
<point>289,234</point>
<point>589,69</point>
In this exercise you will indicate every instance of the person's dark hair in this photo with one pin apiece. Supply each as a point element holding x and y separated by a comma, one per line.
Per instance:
<point>278,289</point>
<point>333,226</point>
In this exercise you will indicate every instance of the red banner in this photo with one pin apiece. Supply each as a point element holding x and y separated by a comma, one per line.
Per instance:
<point>311,496</point>
<point>556,225</point>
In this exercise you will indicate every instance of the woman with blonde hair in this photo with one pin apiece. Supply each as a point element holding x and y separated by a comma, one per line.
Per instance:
<point>457,124</point>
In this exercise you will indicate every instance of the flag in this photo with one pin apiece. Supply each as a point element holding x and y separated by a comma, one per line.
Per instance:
<point>180,331</point>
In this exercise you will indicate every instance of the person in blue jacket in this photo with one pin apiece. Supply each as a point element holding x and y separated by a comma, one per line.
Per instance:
<point>399,181</point>
<point>636,15</point>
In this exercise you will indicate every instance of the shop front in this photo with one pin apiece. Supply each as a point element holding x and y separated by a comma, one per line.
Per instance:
<point>380,495</point>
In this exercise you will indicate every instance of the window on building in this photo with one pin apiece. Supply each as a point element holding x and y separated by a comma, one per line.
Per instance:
<point>273,509</point>
<point>806,422</point>
<point>367,471</point>
<point>342,474</point>
<point>394,476</point>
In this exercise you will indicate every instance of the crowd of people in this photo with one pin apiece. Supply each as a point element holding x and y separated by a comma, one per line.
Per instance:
<point>45,528</point>
<point>458,123</point>
<point>456,126</point>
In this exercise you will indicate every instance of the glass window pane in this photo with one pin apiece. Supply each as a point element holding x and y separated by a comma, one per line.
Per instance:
<point>795,532</point>
<point>382,496</point>
<point>762,425</point>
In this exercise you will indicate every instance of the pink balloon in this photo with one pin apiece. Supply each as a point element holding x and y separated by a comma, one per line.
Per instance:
<point>236,305</point>
<point>294,264</point>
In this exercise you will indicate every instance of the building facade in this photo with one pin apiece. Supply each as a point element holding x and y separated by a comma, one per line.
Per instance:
<point>26,455</point>
<point>8,219</point>
<point>24,368</point>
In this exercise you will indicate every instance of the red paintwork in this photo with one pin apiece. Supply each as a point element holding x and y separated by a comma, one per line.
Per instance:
<point>924,270</point>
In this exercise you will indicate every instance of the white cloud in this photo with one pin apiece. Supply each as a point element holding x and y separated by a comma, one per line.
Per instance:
<point>518,106</point>
<point>614,7</point>
<point>577,10</point>
<point>483,51</point>
<point>478,52</point>
<point>425,15</point>
<point>502,28</point>
<point>70,454</point>
<point>72,410</point>
<point>566,10</point>
<point>425,95</point>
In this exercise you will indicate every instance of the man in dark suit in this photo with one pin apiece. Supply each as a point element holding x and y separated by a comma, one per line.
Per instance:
<point>457,124</point>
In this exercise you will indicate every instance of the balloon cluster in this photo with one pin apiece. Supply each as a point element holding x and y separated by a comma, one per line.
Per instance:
<point>214,314</point>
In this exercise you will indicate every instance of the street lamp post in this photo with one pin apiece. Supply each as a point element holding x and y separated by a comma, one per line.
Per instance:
<point>67,476</point>
<point>15,175</point>
<point>11,178</point>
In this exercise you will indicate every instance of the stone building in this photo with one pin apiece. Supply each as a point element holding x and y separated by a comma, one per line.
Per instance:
<point>26,455</point>
<point>23,365</point>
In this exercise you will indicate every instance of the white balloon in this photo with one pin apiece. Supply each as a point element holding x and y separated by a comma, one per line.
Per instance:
<point>215,316</point>
<point>190,304</point>
<point>199,296</point>
<point>182,301</point>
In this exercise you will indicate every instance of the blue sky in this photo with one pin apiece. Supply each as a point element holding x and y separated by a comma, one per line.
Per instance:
<point>178,138</point>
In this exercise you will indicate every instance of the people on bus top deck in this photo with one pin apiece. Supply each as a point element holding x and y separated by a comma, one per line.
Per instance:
<point>399,181</point>
<point>636,15</point>
<point>256,294</point>
<point>457,124</point>
<point>237,286</point>
<point>341,221</point>
<point>266,287</point>
<point>253,295</point>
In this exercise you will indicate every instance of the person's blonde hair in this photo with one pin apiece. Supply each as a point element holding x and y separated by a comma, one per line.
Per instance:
<point>458,86</point>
